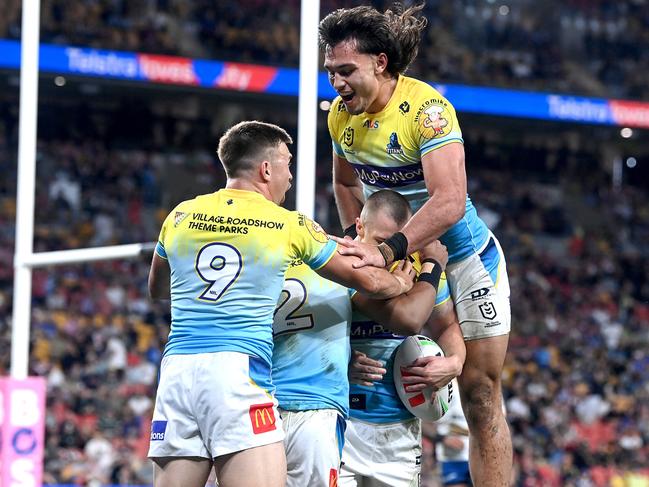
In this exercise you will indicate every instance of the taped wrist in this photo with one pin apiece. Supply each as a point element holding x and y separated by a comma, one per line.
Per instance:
<point>350,231</point>
<point>386,252</point>
<point>433,276</point>
<point>398,243</point>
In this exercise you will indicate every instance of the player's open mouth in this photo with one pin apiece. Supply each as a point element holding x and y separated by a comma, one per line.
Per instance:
<point>347,98</point>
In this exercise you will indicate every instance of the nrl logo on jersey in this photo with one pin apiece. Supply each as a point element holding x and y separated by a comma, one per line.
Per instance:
<point>393,146</point>
<point>348,136</point>
<point>179,216</point>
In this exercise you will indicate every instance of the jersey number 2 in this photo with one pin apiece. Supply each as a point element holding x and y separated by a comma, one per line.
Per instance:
<point>292,299</point>
<point>219,265</point>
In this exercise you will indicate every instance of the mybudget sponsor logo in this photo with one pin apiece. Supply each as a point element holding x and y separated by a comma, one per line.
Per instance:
<point>389,177</point>
<point>262,418</point>
<point>369,329</point>
<point>158,429</point>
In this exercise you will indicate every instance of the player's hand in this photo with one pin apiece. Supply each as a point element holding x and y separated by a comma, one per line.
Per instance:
<point>363,370</point>
<point>435,250</point>
<point>405,273</point>
<point>435,372</point>
<point>367,253</point>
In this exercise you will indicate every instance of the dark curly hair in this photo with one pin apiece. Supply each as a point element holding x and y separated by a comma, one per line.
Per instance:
<point>396,32</point>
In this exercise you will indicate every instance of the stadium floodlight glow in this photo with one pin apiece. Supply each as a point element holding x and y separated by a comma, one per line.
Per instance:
<point>503,10</point>
<point>325,105</point>
<point>631,162</point>
<point>626,133</point>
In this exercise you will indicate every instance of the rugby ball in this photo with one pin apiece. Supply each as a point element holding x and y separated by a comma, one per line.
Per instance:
<point>428,404</point>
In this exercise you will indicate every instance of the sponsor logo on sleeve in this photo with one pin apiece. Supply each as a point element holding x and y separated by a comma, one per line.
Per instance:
<point>262,418</point>
<point>434,119</point>
<point>316,231</point>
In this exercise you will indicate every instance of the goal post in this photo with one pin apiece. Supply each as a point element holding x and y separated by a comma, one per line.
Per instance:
<point>26,186</point>
<point>307,117</point>
<point>62,257</point>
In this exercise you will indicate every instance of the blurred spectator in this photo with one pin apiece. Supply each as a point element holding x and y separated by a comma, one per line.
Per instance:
<point>598,48</point>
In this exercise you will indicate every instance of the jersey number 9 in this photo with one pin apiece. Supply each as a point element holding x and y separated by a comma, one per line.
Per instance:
<point>219,265</point>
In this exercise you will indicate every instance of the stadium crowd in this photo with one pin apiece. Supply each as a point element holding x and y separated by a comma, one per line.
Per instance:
<point>576,379</point>
<point>594,48</point>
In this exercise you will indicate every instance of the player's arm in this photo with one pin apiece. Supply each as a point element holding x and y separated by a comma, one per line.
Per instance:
<point>446,183</point>
<point>445,178</point>
<point>443,327</point>
<point>372,281</point>
<point>407,313</point>
<point>348,191</point>
<point>159,278</point>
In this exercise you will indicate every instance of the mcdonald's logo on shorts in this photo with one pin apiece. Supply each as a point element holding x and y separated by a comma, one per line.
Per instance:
<point>262,418</point>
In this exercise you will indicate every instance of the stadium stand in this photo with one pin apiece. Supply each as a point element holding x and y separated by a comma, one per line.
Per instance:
<point>594,48</point>
<point>111,165</point>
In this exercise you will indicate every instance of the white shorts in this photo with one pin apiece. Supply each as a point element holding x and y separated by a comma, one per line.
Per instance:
<point>480,291</point>
<point>381,455</point>
<point>313,446</point>
<point>212,404</point>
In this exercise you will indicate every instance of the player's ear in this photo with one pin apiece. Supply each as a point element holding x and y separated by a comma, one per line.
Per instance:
<point>265,170</point>
<point>360,229</point>
<point>381,63</point>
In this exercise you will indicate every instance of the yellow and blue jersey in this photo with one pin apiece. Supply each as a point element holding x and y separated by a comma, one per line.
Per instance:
<point>228,252</point>
<point>380,403</point>
<point>385,149</point>
<point>312,351</point>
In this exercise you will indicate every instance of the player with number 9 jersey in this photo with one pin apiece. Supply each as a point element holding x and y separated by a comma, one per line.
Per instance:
<point>227,250</point>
